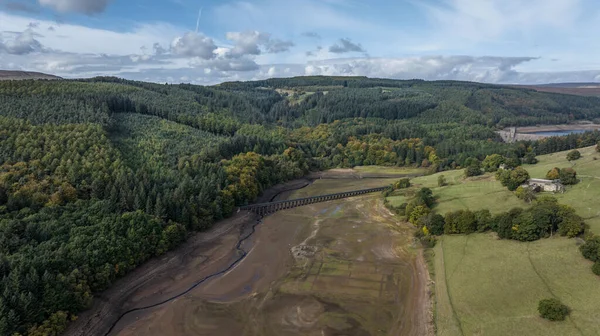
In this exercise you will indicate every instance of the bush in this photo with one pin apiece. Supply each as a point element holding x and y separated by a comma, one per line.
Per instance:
<point>568,176</point>
<point>530,159</point>
<point>402,184</point>
<point>591,249</point>
<point>571,226</point>
<point>596,268</point>
<point>425,196</point>
<point>417,213</point>
<point>473,171</point>
<point>461,221</point>
<point>484,220</point>
<point>574,155</point>
<point>512,163</point>
<point>525,193</point>
<point>434,224</point>
<point>512,179</point>
<point>553,174</point>
<point>442,181</point>
<point>492,162</point>
<point>553,310</point>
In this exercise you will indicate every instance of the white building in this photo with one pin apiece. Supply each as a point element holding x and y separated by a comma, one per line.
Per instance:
<point>546,185</point>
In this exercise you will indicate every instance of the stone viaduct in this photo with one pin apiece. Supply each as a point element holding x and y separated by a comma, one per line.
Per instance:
<point>263,209</point>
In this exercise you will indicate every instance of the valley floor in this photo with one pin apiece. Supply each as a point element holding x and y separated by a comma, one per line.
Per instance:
<point>346,266</point>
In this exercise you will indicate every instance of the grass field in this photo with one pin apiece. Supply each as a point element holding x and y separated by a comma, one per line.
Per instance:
<point>476,193</point>
<point>583,196</point>
<point>485,192</point>
<point>486,286</point>
<point>400,171</point>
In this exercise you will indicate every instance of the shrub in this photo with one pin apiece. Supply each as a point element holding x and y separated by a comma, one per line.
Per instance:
<point>503,176</point>
<point>598,147</point>
<point>425,196</point>
<point>568,176</point>
<point>492,162</point>
<point>554,174</point>
<point>571,226</point>
<point>442,181</point>
<point>591,249</point>
<point>417,213</point>
<point>525,193</point>
<point>434,224</point>
<point>461,221</point>
<point>473,171</point>
<point>512,162</point>
<point>553,310</point>
<point>574,155</point>
<point>530,158</point>
<point>402,184</point>
<point>596,268</point>
<point>484,220</point>
<point>512,179</point>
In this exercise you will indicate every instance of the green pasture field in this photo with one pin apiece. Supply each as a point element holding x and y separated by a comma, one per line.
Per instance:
<point>400,171</point>
<point>584,196</point>
<point>487,286</point>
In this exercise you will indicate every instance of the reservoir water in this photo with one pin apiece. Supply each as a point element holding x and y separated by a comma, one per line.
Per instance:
<point>558,132</point>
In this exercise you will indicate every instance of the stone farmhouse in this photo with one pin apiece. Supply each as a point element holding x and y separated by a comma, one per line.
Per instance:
<point>545,185</point>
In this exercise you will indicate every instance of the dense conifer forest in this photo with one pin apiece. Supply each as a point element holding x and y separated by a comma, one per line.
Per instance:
<point>99,175</point>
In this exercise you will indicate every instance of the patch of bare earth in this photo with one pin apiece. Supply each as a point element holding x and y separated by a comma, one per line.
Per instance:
<point>344,267</point>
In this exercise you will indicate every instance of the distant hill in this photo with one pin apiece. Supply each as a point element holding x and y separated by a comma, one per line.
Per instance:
<point>16,75</point>
<point>573,85</point>
<point>579,89</point>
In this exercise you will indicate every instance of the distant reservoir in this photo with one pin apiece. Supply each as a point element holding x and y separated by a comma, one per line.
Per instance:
<point>557,133</point>
<point>513,134</point>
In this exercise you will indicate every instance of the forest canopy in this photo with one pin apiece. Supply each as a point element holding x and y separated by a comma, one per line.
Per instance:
<point>99,175</point>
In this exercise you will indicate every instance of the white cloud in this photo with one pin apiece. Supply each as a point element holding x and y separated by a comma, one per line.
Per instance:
<point>171,53</point>
<point>253,43</point>
<point>194,45</point>
<point>81,39</point>
<point>88,7</point>
<point>247,43</point>
<point>345,45</point>
<point>20,43</point>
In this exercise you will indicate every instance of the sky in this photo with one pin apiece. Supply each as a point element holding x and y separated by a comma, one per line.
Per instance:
<point>213,41</point>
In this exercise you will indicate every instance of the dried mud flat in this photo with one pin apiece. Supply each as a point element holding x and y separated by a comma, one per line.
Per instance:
<point>343,267</point>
